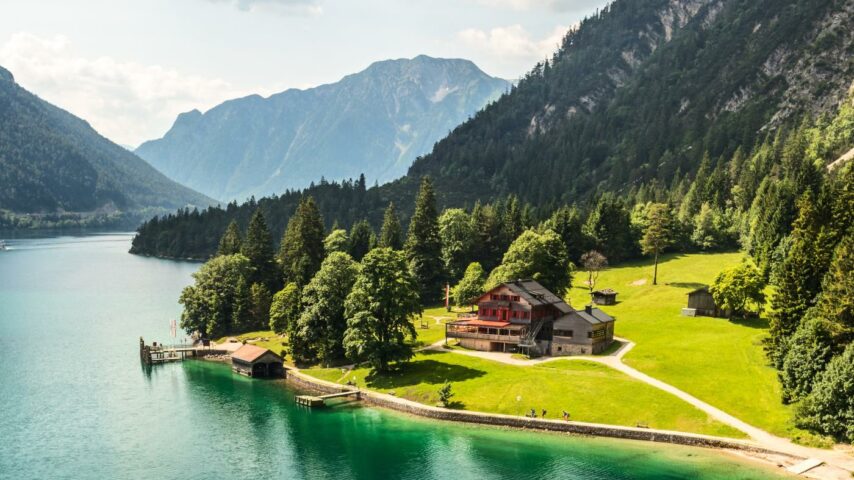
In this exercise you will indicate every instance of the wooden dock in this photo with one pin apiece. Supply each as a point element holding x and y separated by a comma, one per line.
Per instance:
<point>320,401</point>
<point>158,353</point>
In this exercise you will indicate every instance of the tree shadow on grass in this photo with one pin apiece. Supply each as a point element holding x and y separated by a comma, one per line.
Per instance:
<point>752,322</point>
<point>426,371</point>
<point>691,285</point>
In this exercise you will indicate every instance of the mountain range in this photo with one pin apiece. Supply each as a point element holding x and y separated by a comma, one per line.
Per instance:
<point>374,122</point>
<point>635,98</point>
<point>53,162</point>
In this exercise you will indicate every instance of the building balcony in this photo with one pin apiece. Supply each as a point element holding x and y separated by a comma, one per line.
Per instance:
<point>493,337</point>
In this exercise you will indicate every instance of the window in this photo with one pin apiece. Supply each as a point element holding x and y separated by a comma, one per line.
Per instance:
<point>596,333</point>
<point>515,298</point>
<point>505,297</point>
<point>493,297</point>
<point>563,333</point>
<point>525,314</point>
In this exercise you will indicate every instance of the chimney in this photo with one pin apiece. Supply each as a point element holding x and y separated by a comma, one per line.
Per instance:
<point>589,309</point>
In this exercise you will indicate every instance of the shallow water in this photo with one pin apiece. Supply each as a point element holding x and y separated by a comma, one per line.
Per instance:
<point>76,403</point>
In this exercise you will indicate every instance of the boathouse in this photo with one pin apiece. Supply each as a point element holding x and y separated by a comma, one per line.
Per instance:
<point>254,361</point>
<point>523,316</point>
<point>604,297</point>
<point>702,303</point>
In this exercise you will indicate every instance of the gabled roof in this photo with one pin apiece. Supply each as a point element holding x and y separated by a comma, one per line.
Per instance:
<point>250,353</point>
<point>594,317</point>
<point>536,294</point>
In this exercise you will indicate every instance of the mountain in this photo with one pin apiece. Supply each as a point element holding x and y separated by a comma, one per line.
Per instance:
<point>53,162</point>
<point>637,98</point>
<point>374,122</point>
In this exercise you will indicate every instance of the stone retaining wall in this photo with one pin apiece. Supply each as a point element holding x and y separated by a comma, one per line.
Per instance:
<point>307,382</point>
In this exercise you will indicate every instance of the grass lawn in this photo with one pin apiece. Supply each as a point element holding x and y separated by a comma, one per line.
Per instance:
<point>434,319</point>
<point>718,361</point>
<point>588,391</point>
<point>263,338</point>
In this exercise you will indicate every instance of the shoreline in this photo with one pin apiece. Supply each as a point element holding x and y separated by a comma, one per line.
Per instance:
<point>731,447</point>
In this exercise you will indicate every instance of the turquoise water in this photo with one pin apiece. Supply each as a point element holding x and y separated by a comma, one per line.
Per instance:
<point>76,403</point>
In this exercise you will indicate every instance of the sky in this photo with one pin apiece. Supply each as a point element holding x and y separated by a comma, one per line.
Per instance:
<point>129,67</point>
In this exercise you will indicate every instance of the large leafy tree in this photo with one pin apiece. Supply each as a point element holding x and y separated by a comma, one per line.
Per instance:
<point>208,303</point>
<point>258,248</point>
<point>471,285</point>
<point>540,256</point>
<point>319,333</point>
<point>361,238</point>
<point>231,242</point>
<point>658,234</point>
<point>336,241</point>
<point>457,234</point>
<point>829,408</point>
<point>391,234</point>
<point>285,309</point>
<point>739,289</point>
<point>302,249</point>
<point>423,246</point>
<point>381,309</point>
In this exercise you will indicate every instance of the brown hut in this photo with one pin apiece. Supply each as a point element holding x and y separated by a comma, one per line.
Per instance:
<point>604,297</point>
<point>255,361</point>
<point>701,303</point>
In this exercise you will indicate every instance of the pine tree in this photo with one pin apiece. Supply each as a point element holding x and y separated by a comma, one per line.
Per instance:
<point>302,248</point>
<point>241,308</point>
<point>230,243</point>
<point>391,235</point>
<point>260,299</point>
<point>566,221</point>
<point>258,248</point>
<point>609,224</point>
<point>423,246</point>
<point>487,230</point>
<point>360,239</point>
<point>658,234</point>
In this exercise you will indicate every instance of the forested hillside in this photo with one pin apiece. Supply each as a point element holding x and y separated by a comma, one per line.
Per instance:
<point>632,103</point>
<point>56,166</point>
<point>374,122</point>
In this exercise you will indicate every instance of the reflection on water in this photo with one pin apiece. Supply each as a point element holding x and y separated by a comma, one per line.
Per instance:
<point>77,403</point>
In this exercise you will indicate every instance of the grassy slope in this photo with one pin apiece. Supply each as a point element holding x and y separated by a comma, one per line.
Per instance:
<point>716,360</point>
<point>590,392</point>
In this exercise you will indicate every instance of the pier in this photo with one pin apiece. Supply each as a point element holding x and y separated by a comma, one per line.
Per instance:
<point>320,401</point>
<point>155,353</point>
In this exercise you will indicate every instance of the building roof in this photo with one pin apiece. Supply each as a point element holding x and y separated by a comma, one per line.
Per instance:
<point>536,294</point>
<point>250,353</point>
<point>593,317</point>
<point>605,291</point>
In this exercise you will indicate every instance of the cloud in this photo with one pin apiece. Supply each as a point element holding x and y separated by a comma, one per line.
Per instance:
<point>283,7</point>
<point>513,41</point>
<point>554,5</point>
<point>127,102</point>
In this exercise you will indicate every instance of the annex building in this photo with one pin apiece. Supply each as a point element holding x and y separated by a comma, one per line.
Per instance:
<point>523,316</point>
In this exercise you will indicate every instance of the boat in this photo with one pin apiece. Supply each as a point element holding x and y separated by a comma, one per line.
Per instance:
<point>2,245</point>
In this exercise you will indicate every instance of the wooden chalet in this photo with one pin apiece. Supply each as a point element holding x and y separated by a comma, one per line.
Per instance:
<point>523,316</point>
<point>254,361</point>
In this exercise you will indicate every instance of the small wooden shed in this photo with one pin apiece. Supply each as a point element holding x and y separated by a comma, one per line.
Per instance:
<point>701,303</point>
<point>254,361</point>
<point>604,297</point>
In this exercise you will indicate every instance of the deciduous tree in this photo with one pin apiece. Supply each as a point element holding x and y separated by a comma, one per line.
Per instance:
<point>540,256</point>
<point>380,309</point>
<point>738,289</point>
<point>285,308</point>
<point>471,285</point>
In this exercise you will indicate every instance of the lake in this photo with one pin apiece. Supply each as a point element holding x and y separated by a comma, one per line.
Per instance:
<point>77,404</point>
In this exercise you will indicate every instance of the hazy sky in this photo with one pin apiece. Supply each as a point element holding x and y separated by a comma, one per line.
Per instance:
<point>129,67</point>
